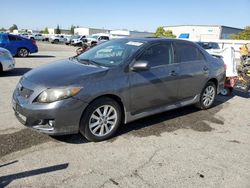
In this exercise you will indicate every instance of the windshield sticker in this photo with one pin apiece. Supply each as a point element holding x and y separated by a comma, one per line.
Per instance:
<point>134,43</point>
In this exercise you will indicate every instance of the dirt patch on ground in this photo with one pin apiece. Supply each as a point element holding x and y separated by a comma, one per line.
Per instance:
<point>20,140</point>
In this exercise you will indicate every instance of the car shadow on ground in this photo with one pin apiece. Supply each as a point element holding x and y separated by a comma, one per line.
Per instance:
<point>15,72</point>
<point>41,56</point>
<point>189,117</point>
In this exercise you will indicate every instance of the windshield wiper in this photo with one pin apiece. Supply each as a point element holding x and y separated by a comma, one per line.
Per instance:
<point>89,61</point>
<point>74,58</point>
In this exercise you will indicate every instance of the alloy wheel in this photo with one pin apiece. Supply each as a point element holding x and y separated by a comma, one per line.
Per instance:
<point>103,120</point>
<point>208,96</point>
<point>23,52</point>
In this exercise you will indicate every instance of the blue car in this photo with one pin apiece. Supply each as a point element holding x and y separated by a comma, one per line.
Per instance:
<point>17,45</point>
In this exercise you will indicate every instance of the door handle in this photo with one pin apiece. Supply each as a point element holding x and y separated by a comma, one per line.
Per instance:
<point>173,73</point>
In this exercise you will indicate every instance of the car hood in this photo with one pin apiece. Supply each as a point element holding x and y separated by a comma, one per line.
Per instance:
<point>64,73</point>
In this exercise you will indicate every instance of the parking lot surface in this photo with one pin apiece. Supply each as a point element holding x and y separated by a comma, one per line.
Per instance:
<point>186,147</point>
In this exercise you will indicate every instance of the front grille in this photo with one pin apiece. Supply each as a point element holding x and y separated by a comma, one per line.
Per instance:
<point>24,92</point>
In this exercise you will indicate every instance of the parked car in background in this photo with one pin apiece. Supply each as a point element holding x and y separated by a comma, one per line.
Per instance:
<point>68,39</point>
<point>212,48</point>
<point>17,45</point>
<point>117,82</point>
<point>79,40</point>
<point>7,62</point>
<point>36,36</point>
<point>57,39</point>
<point>96,38</point>
<point>209,45</point>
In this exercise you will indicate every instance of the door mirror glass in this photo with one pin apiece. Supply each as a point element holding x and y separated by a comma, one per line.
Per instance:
<point>140,65</point>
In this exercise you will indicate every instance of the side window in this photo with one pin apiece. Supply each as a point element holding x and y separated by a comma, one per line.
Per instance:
<point>12,38</point>
<point>187,52</point>
<point>18,38</point>
<point>160,54</point>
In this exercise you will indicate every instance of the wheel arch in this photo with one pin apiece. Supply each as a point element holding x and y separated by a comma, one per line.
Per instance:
<point>113,97</point>
<point>22,48</point>
<point>215,81</point>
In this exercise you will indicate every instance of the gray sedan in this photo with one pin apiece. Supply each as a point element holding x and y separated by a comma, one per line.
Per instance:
<point>117,82</point>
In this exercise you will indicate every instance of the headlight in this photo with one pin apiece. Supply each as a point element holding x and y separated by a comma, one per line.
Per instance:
<point>51,95</point>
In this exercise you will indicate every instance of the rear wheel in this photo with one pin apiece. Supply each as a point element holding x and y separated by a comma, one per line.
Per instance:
<point>207,96</point>
<point>22,52</point>
<point>101,119</point>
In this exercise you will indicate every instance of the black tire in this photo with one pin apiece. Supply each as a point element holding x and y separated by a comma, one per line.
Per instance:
<point>202,104</point>
<point>1,68</point>
<point>100,103</point>
<point>23,52</point>
<point>79,44</point>
<point>56,41</point>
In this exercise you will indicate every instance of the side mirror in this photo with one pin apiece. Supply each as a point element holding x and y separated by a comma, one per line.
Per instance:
<point>140,66</point>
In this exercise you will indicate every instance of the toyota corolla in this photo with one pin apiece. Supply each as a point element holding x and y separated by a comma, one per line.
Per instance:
<point>114,83</point>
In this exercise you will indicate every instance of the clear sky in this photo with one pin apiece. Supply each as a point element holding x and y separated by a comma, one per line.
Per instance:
<point>143,15</point>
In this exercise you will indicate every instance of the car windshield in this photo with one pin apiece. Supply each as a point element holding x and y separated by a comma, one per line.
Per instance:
<point>95,36</point>
<point>75,37</point>
<point>111,53</point>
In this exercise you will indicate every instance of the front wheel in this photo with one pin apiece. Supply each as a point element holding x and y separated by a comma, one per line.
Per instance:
<point>101,119</point>
<point>22,52</point>
<point>207,96</point>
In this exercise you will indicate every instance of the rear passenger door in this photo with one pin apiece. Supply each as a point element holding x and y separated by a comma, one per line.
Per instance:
<point>158,85</point>
<point>193,69</point>
<point>13,44</point>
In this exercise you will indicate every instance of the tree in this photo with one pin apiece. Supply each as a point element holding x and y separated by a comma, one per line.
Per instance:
<point>72,29</point>
<point>13,27</point>
<point>57,31</point>
<point>46,31</point>
<point>161,32</point>
<point>2,30</point>
<point>242,35</point>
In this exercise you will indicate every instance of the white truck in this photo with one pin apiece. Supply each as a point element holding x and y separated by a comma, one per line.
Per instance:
<point>57,39</point>
<point>99,37</point>
<point>79,41</point>
<point>36,36</point>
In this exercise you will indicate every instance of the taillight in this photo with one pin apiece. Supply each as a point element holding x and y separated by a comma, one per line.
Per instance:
<point>34,42</point>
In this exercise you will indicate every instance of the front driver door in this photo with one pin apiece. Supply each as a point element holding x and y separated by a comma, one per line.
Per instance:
<point>158,85</point>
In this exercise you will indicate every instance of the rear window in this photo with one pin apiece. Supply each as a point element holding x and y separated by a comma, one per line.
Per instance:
<point>187,53</point>
<point>209,45</point>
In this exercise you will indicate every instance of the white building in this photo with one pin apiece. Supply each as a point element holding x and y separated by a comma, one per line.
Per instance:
<point>89,31</point>
<point>126,33</point>
<point>202,32</point>
<point>52,31</point>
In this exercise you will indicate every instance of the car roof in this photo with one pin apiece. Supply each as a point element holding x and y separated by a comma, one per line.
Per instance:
<point>154,39</point>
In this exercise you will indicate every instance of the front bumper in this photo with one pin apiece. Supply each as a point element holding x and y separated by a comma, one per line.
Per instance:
<point>56,118</point>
